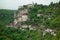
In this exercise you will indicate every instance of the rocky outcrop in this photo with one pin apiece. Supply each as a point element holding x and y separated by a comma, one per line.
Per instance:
<point>22,15</point>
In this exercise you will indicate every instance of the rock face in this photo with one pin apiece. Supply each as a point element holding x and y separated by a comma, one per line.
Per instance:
<point>21,16</point>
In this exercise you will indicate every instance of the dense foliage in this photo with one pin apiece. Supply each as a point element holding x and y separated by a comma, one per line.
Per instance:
<point>6,16</point>
<point>17,34</point>
<point>50,17</point>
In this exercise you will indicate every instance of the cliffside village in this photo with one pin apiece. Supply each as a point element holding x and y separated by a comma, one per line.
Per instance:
<point>22,15</point>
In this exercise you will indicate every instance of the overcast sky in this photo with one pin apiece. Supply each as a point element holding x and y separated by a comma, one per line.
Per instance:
<point>14,4</point>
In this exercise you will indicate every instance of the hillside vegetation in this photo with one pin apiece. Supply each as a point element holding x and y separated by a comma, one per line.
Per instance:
<point>50,17</point>
<point>6,16</point>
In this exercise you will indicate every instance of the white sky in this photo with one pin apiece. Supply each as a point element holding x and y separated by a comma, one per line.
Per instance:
<point>14,4</point>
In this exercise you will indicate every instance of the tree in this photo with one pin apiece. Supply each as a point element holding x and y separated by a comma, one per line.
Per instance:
<point>56,22</point>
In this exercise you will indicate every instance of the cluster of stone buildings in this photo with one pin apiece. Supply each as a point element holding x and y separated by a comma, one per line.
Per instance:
<point>21,16</point>
<point>51,31</point>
